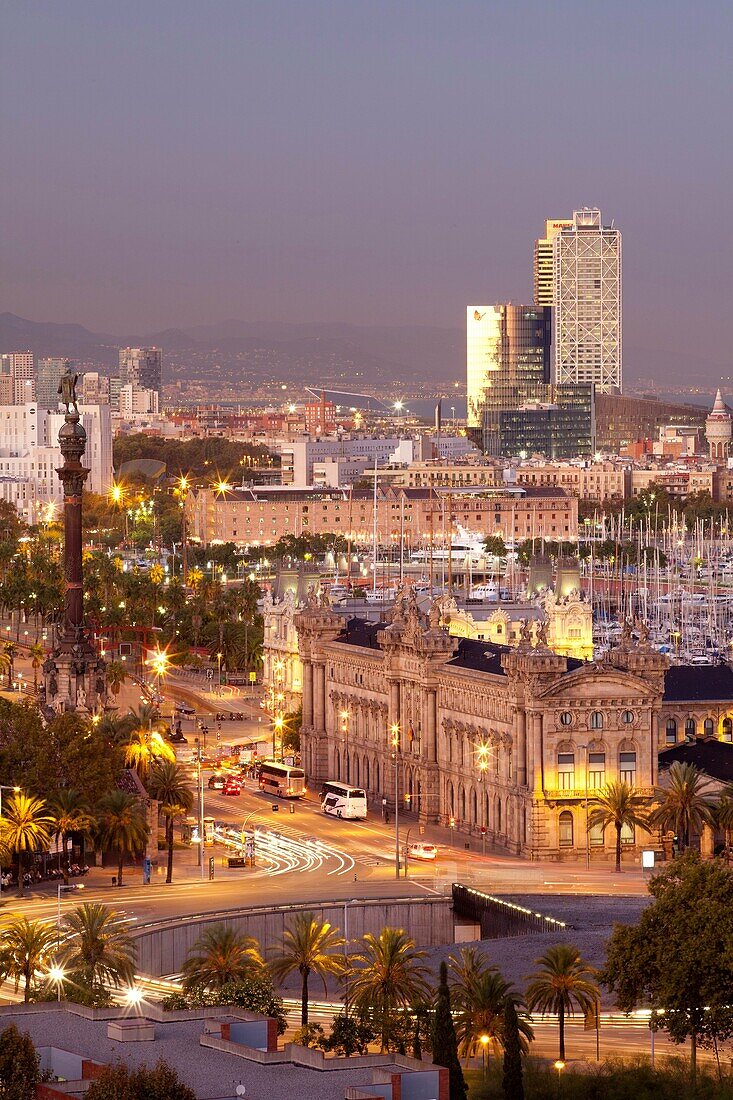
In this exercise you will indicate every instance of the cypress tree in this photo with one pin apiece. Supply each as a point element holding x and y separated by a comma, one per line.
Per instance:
<point>512,1083</point>
<point>445,1043</point>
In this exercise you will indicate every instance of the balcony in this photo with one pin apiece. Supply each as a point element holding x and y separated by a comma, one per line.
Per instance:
<point>578,794</point>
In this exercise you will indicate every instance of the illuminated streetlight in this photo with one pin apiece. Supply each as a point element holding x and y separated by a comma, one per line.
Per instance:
<point>484,1040</point>
<point>57,974</point>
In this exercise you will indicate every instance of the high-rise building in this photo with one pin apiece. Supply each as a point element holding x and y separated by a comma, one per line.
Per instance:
<point>543,279</point>
<point>94,388</point>
<point>142,368</point>
<point>19,368</point>
<point>513,410</point>
<point>48,373</point>
<point>587,303</point>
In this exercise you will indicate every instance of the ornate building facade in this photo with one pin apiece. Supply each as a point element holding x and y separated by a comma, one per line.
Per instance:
<point>511,743</point>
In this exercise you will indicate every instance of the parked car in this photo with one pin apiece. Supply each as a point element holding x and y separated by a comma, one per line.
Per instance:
<point>232,786</point>
<point>422,851</point>
<point>217,783</point>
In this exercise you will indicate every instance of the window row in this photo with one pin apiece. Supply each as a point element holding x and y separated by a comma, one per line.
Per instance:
<point>596,769</point>
<point>691,727</point>
<point>595,719</point>
<point>596,837</point>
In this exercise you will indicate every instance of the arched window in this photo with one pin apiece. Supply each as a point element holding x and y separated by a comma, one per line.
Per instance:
<point>708,727</point>
<point>366,773</point>
<point>356,771</point>
<point>627,766</point>
<point>377,785</point>
<point>727,729</point>
<point>565,832</point>
<point>475,808</point>
<point>595,836</point>
<point>463,805</point>
<point>596,720</point>
<point>690,729</point>
<point>566,718</point>
<point>347,766</point>
<point>498,816</point>
<point>338,764</point>
<point>670,732</point>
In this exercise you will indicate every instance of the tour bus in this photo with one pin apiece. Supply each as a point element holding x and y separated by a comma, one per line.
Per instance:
<point>341,800</point>
<point>281,779</point>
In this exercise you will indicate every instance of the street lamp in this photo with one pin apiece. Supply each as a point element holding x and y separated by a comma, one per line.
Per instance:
<point>57,975</point>
<point>559,1066</point>
<point>66,890</point>
<point>200,785</point>
<point>394,730</point>
<point>160,663</point>
<point>484,1045</point>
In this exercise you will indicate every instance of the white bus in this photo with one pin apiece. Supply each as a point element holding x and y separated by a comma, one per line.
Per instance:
<point>281,780</point>
<point>341,800</point>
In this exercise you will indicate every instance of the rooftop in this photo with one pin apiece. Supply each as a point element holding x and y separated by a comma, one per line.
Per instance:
<point>688,682</point>
<point>710,755</point>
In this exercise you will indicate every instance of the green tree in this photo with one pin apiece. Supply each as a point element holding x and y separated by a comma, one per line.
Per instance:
<point>309,946</point>
<point>389,976</point>
<point>121,1082</point>
<point>37,654</point>
<point>562,983</point>
<point>445,1042</point>
<point>620,806</point>
<point>685,803</point>
<point>98,951</point>
<point>168,784</point>
<point>25,826</point>
<point>71,814</point>
<point>512,1078</point>
<point>27,947</point>
<point>348,1036</point>
<point>146,746</point>
<point>116,676</point>
<point>20,1065</point>
<point>678,957</point>
<point>122,826</point>
<point>221,955</point>
<point>495,546</point>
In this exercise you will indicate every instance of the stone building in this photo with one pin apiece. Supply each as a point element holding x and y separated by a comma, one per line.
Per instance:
<point>512,743</point>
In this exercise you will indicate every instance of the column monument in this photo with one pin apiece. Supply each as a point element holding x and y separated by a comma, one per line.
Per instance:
<point>73,675</point>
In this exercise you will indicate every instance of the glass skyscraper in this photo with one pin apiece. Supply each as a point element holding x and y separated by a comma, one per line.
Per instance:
<point>512,408</point>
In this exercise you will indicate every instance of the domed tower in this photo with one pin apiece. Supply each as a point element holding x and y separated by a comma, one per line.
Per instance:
<point>719,429</point>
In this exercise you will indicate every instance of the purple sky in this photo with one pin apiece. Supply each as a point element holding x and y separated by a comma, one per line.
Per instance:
<point>178,162</point>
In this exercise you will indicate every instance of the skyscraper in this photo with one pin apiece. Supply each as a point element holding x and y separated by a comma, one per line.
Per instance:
<point>48,373</point>
<point>19,376</point>
<point>142,368</point>
<point>543,279</point>
<point>587,303</point>
<point>512,407</point>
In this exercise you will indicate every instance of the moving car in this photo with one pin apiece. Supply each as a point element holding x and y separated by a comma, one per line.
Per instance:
<point>217,783</point>
<point>232,786</point>
<point>422,851</point>
<point>185,708</point>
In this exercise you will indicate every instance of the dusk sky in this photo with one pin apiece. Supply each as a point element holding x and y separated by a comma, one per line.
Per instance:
<point>169,162</point>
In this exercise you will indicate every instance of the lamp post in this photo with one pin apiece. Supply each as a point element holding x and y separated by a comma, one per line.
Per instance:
<point>57,975</point>
<point>395,740</point>
<point>559,1066</point>
<point>200,785</point>
<point>15,790</point>
<point>484,1045</point>
<point>66,890</point>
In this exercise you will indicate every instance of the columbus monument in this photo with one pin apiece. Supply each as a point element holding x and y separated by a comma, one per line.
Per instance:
<point>73,675</point>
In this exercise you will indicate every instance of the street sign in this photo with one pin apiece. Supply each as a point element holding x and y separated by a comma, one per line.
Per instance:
<point>647,859</point>
<point>211,868</point>
<point>253,677</point>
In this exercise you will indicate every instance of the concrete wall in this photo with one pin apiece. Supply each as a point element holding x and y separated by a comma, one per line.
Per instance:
<point>162,948</point>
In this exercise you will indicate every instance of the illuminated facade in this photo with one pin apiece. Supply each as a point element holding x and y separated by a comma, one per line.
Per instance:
<point>587,303</point>
<point>544,283</point>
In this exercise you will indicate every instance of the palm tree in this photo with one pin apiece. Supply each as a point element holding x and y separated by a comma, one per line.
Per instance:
<point>116,728</point>
<point>37,654</point>
<point>620,806</point>
<point>309,946</point>
<point>27,946</point>
<point>724,817</point>
<point>25,826</point>
<point>71,813</point>
<point>98,949</point>
<point>389,976</point>
<point>116,676</point>
<point>221,955</point>
<point>146,745</point>
<point>11,651</point>
<point>122,825</point>
<point>479,994</point>
<point>561,984</point>
<point>168,784</point>
<point>685,804</point>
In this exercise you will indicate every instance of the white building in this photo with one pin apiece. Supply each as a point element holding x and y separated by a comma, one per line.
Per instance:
<point>301,457</point>
<point>29,454</point>
<point>587,303</point>
<point>136,400</point>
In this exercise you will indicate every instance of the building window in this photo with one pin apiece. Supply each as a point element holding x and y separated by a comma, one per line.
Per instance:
<point>670,732</point>
<point>596,720</point>
<point>566,718</point>
<point>595,836</point>
<point>565,832</point>
<point>596,769</point>
<point>708,727</point>
<point>727,729</point>
<point>690,729</point>
<point>566,771</point>
<point>628,768</point>
<point>627,834</point>
<point>628,717</point>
